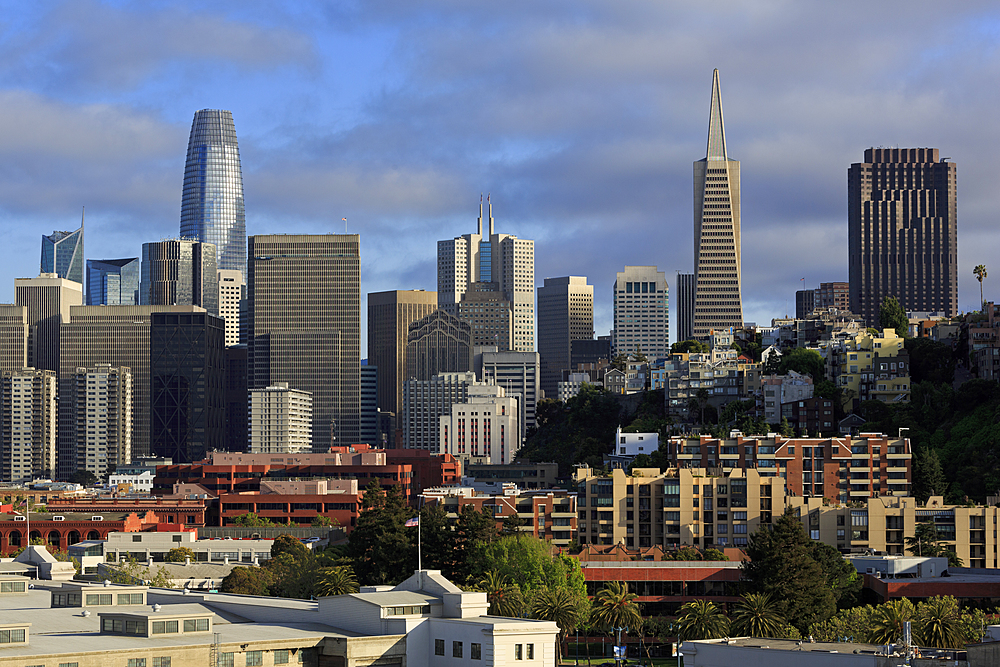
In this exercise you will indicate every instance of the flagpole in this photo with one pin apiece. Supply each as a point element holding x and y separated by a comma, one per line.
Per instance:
<point>420,528</point>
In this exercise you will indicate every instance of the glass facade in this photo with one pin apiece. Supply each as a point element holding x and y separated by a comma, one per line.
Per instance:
<point>212,208</point>
<point>113,282</point>
<point>179,272</point>
<point>62,254</point>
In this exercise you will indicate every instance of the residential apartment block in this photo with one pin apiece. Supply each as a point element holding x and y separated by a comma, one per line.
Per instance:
<point>781,389</point>
<point>28,426</point>
<point>641,312</point>
<point>103,406</point>
<point>870,367</point>
<point>280,420</point>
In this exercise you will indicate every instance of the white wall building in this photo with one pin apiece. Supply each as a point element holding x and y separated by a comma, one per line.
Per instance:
<point>571,387</point>
<point>280,420</point>
<point>642,313</point>
<point>424,401</point>
<point>633,444</point>
<point>104,423</point>
<point>232,290</point>
<point>141,482</point>
<point>28,417</point>
<point>485,429</point>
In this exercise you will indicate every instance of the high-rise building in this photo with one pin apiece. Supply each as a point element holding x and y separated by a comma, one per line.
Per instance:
<point>833,295</point>
<point>489,314</point>
<point>482,430</point>
<point>685,306</point>
<point>642,312</point>
<point>805,303</point>
<point>113,282</point>
<point>48,300</point>
<point>237,397</point>
<point>389,317</point>
<point>103,409</point>
<point>565,314</point>
<point>425,401</point>
<point>280,420</point>
<point>718,303</point>
<point>488,257</point>
<point>232,291</point>
<point>518,374</point>
<point>368,406</point>
<point>179,272</point>
<point>212,209</point>
<point>187,371</point>
<point>62,254</point>
<point>304,319</point>
<point>903,231</point>
<point>438,343</point>
<point>13,337</point>
<point>28,427</point>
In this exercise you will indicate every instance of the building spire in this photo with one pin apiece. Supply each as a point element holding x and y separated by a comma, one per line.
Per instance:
<point>716,131</point>
<point>479,227</point>
<point>490,205</point>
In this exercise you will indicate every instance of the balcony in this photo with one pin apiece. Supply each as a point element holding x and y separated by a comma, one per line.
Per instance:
<point>892,456</point>
<point>898,481</point>
<point>563,515</point>
<point>896,469</point>
<point>860,494</point>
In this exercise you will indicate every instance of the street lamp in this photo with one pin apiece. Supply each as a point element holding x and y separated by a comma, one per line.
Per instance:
<point>618,644</point>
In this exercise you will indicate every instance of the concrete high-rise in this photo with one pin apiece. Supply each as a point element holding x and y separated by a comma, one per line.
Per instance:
<point>280,420</point>
<point>27,424</point>
<point>62,254</point>
<point>903,231</point>
<point>565,314</point>
<point>13,337</point>
<point>518,374</point>
<point>488,257</point>
<point>304,325</point>
<point>685,306</point>
<point>180,272</point>
<point>718,303</point>
<point>103,411</point>
<point>48,300</point>
<point>438,343</point>
<point>232,291</point>
<point>389,317</point>
<point>642,312</point>
<point>113,282</point>
<point>368,407</point>
<point>212,209</point>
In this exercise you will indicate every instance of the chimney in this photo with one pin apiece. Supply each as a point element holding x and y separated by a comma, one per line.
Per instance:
<point>187,560</point>
<point>225,560</point>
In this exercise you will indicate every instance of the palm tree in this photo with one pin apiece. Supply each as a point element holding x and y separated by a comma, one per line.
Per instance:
<point>338,580</point>
<point>701,620</point>
<point>980,273</point>
<point>504,597</point>
<point>889,621</point>
<point>615,607</point>
<point>754,617</point>
<point>559,606</point>
<point>939,623</point>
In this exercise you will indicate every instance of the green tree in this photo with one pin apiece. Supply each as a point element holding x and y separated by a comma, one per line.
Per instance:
<point>437,539</point>
<point>251,520</point>
<point>682,346</point>
<point>504,596</point>
<point>754,616</point>
<point>702,397</point>
<point>473,529</point>
<point>781,565</point>
<point>892,316</point>
<point>614,607</point>
<point>320,520</point>
<point>530,562</point>
<point>701,619</point>
<point>84,478</point>
<point>930,360</point>
<point>804,361</point>
<point>928,474</point>
<point>559,606</point>
<point>336,581</point>
<point>841,577</point>
<point>179,554</point>
<point>715,554</point>
<point>980,273</point>
<point>381,548</point>
<point>620,362</point>
<point>927,542</point>
<point>888,621</point>
<point>248,581</point>
<point>939,623</point>
<point>688,553</point>
<point>853,625</point>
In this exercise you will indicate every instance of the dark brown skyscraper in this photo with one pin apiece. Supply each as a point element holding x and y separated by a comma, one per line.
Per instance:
<point>389,317</point>
<point>903,231</point>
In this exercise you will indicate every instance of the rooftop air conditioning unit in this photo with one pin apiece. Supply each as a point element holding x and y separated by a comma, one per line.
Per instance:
<point>58,518</point>
<point>97,518</point>
<point>18,517</point>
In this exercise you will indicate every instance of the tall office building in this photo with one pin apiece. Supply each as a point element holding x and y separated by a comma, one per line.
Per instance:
<point>304,325</point>
<point>685,306</point>
<point>180,272</point>
<point>565,314</point>
<point>280,420</point>
<point>518,374</point>
<point>903,231</point>
<point>187,371</point>
<point>13,337</point>
<point>103,408</point>
<point>717,269</point>
<point>27,424</point>
<point>368,406</point>
<point>113,282</point>
<point>438,343</point>
<point>805,303</point>
<point>642,312</point>
<point>48,300</point>
<point>237,399</point>
<point>62,254</point>
<point>232,291</point>
<point>489,314</point>
<point>389,317</point>
<point>425,401</point>
<point>488,257</point>
<point>212,209</point>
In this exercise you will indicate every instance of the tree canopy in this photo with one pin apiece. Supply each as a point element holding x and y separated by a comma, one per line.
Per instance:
<point>892,316</point>
<point>382,548</point>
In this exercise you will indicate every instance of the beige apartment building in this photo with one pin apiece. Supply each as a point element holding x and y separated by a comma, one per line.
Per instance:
<point>280,420</point>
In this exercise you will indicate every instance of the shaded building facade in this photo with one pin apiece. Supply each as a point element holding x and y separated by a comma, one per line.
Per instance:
<point>179,272</point>
<point>565,314</point>
<point>438,343</point>
<point>48,300</point>
<point>113,282</point>
<point>236,435</point>
<point>103,407</point>
<point>13,337</point>
<point>685,306</point>
<point>28,427</point>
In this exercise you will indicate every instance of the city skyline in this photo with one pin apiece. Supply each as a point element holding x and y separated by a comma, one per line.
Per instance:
<point>364,113</point>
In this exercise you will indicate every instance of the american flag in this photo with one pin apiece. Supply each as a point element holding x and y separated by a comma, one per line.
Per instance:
<point>412,523</point>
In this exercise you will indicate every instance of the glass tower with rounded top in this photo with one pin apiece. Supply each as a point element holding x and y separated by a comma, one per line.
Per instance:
<point>212,204</point>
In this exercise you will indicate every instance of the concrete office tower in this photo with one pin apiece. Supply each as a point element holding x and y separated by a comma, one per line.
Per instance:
<point>489,314</point>
<point>487,257</point>
<point>232,291</point>
<point>187,371</point>
<point>484,430</point>
<point>103,409</point>
<point>48,300</point>
<point>903,231</point>
<point>424,401</point>
<point>368,407</point>
<point>212,208</point>
<point>280,420</point>
<point>28,424</point>
<point>13,337</point>
<point>389,317</point>
<point>237,405</point>
<point>304,325</point>
<point>113,282</point>
<point>114,335</point>
<point>180,272</point>
<point>642,313</point>
<point>685,306</point>
<point>718,303</point>
<point>62,254</point>
<point>518,374</point>
<point>438,343</point>
<point>565,314</point>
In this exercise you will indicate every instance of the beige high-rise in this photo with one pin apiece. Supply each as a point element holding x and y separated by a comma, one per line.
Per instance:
<point>48,299</point>
<point>280,420</point>
<point>389,317</point>
<point>13,337</point>
<point>718,302</point>
<point>27,424</point>
<point>103,407</point>
<point>232,290</point>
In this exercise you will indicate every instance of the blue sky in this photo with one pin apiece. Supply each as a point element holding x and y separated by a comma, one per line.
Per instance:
<point>581,117</point>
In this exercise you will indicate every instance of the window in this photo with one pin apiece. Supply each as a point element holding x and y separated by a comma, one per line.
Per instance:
<point>255,658</point>
<point>476,651</point>
<point>456,649</point>
<point>165,627</point>
<point>69,664</point>
<point>94,600</point>
<point>161,661</point>
<point>226,659</point>
<point>196,625</point>
<point>531,651</point>
<point>137,538</point>
<point>438,647</point>
<point>127,598</point>
<point>136,662</point>
<point>12,636</point>
<point>518,651</point>
<point>280,657</point>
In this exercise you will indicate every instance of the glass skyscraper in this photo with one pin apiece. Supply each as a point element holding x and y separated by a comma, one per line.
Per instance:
<point>212,204</point>
<point>62,254</point>
<point>113,282</point>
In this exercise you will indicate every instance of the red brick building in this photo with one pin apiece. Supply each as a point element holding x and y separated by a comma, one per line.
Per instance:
<point>189,512</point>
<point>59,530</point>
<point>548,514</point>
<point>296,502</point>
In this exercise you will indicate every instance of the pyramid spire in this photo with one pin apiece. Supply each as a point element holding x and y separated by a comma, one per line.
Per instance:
<point>716,131</point>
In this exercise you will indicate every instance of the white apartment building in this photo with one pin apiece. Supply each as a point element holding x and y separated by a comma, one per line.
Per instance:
<point>103,407</point>
<point>642,313</point>
<point>484,430</point>
<point>425,401</point>
<point>232,290</point>
<point>28,414</point>
<point>280,420</point>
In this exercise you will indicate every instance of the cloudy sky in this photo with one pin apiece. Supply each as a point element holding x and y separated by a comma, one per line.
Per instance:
<point>581,117</point>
